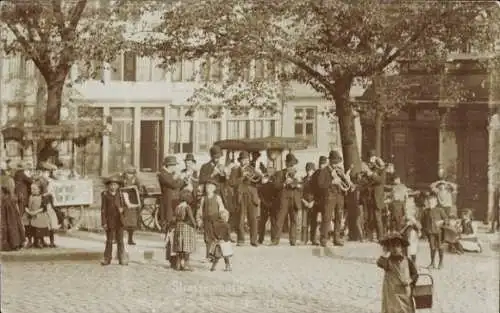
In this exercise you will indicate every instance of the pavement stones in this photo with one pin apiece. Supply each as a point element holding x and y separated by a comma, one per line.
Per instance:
<point>265,279</point>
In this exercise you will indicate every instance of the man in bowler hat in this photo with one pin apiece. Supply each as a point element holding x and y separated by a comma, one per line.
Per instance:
<point>170,184</point>
<point>333,200</point>
<point>288,187</point>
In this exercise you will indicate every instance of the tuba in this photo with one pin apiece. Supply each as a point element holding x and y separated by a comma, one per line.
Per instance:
<point>341,179</point>
<point>250,174</point>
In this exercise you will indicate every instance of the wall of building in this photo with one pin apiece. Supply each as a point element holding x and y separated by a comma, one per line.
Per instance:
<point>137,94</point>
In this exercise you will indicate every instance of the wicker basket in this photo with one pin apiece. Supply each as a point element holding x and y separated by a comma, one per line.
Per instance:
<point>423,292</point>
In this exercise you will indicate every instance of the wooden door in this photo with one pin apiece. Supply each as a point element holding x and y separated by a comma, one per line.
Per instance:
<point>473,191</point>
<point>151,146</point>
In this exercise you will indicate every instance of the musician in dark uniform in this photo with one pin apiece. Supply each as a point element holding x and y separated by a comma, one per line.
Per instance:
<point>170,184</point>
<point>288,187</point>
<point>247,198</point>
<point>318,197</point>
<point>190,176</point>
<point>307,201</point>
<point>330,183</point>
<point>112,210</point>
<point>376,177</point>
<point>268,203</point>
<point>131,217</point>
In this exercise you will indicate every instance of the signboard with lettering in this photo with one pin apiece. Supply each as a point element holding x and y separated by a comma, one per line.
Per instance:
<point>72,192</point>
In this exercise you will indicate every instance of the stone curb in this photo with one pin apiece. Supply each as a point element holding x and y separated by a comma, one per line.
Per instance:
<point>78,255</point>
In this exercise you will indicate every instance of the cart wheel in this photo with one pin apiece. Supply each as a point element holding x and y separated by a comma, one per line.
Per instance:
<point>149,216</point>
<point>72,218</point>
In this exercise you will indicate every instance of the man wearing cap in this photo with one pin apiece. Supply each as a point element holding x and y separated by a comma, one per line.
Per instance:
<point>268,203</point>
<point>376,201</point>
<point>170,184</point>
<point>247,198</point>
<point>318,197</point>
<point>333,200</point>
<point>112,211</point>
<point>288,187</point>
<point>132,215</point>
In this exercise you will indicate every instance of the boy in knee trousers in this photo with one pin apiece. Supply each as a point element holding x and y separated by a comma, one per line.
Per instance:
<point>433,219</point>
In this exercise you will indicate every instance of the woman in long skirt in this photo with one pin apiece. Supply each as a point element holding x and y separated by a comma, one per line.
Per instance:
<point>12,228</point>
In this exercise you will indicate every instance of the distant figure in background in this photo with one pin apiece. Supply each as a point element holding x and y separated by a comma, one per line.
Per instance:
<point>35,218</point>
<point>390,174</point>
<point>315,212</point>
<point>46,186</point>
<point>131,216</point>
<point>190,176</point>
<point>307,202</point>
<point>495,214</point>
<point>444,191</point>
<point>268,203</point>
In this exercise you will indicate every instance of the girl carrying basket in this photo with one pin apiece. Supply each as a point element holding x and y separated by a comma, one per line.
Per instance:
<point>214,218</point>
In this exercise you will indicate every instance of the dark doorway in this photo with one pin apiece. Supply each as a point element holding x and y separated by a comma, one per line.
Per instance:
<point>426,155</point>
<point>151,145</point>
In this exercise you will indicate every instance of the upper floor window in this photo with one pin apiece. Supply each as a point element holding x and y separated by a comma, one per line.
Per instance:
<point>306,124</point>
<point>124,67</point>
<point>183,70</point>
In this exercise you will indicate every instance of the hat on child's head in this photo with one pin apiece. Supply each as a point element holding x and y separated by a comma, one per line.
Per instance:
<point>392,238</point>
<point>186,195</point>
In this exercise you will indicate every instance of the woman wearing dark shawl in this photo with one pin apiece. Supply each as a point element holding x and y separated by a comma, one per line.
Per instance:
<point>12,229</point>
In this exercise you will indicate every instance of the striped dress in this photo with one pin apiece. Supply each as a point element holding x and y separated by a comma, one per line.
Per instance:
<point>184,232</point>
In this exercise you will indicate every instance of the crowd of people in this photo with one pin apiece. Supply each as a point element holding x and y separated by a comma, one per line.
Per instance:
<point>243,196</point>
<point>28,215</point>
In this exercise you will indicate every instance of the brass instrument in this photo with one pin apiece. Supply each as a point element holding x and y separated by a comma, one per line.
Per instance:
<point>291,175</point>
<point>220,170</point>
<point>189,179</point>
<point>341,179</point>
<point>130,197</point>
<point>251,175</point>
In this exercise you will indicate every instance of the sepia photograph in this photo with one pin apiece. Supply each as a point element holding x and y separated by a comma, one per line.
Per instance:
<point>249,156</point>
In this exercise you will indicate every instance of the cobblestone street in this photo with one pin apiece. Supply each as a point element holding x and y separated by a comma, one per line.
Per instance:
<point>265,279</point>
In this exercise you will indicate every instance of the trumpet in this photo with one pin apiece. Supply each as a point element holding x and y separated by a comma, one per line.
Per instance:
<point>251,175</point>
<point>341,179</point>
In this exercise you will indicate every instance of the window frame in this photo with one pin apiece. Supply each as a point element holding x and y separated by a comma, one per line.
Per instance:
<point>199,118</point>
<point>182,118</point>
<point>304,121</point>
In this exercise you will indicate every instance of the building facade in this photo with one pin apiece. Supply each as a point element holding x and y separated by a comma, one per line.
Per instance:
<point>146,108</point>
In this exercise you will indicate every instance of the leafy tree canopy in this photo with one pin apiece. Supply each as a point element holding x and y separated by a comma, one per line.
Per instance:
<point>327,44</point>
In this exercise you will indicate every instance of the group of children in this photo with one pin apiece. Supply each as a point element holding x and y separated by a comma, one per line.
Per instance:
<point>213,218</point>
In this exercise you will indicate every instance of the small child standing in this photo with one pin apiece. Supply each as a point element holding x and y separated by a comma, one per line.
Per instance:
<point>214,217</point>
<point>184,232</point>
<point>35,218</point>
<point>433,219</point>
<point>411,232</point>
<point>400,276</point>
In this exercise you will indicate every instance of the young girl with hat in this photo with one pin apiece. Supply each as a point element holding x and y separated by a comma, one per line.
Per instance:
<point>184,232</point>
<point>400,275</point>
<point>214,217</point>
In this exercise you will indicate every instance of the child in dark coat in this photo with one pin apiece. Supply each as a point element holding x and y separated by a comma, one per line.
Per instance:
<point>433,218</point>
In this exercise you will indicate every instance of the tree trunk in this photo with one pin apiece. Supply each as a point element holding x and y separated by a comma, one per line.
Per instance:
<point>55,87</point>
<point>379,123</point>
<point>346,118</point>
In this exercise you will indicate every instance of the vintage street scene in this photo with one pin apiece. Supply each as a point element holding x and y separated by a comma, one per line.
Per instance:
<point>242,156</point>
